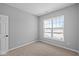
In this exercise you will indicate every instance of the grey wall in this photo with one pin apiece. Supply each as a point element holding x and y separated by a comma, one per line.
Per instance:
<point>22,25</point>
<point>70,27</point>
<point>78,26</point>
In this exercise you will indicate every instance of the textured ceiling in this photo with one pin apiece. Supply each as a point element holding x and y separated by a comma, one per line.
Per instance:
<point>40,8</point>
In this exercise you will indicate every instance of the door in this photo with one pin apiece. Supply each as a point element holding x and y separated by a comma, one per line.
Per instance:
<point>3,34</point>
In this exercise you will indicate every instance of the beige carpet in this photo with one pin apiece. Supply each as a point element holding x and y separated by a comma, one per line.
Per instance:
<point>40,49</point>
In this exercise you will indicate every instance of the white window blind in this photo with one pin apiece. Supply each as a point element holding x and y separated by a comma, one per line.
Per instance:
<point>54,28</point>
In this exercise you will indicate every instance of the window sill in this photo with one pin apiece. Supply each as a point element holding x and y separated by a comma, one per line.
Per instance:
<point>60,40</point>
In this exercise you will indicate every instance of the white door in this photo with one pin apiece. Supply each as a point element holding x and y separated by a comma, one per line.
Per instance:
<point>3,34</point>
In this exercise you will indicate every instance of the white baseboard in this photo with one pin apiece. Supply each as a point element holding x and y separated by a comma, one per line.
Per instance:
<point>59,46</point>
<point>22,45</point>
<point>42,41</point>
<point>1,53</point>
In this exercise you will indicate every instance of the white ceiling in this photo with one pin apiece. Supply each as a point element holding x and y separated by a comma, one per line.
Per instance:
<point>40,8</point>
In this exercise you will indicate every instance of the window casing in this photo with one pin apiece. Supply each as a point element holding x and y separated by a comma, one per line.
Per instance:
<point>54,28</point>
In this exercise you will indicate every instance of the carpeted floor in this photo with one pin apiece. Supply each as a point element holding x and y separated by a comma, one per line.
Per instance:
<point>40,49</point>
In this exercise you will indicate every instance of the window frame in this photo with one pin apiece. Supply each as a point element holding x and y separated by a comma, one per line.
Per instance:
<point>52,29</point>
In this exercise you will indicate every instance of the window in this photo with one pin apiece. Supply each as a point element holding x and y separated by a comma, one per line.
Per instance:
<point>58,28</point>
<point>47,28</point>
<point>54,28</point>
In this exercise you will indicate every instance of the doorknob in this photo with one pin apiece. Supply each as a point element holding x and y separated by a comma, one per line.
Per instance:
<point>6,35</point>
